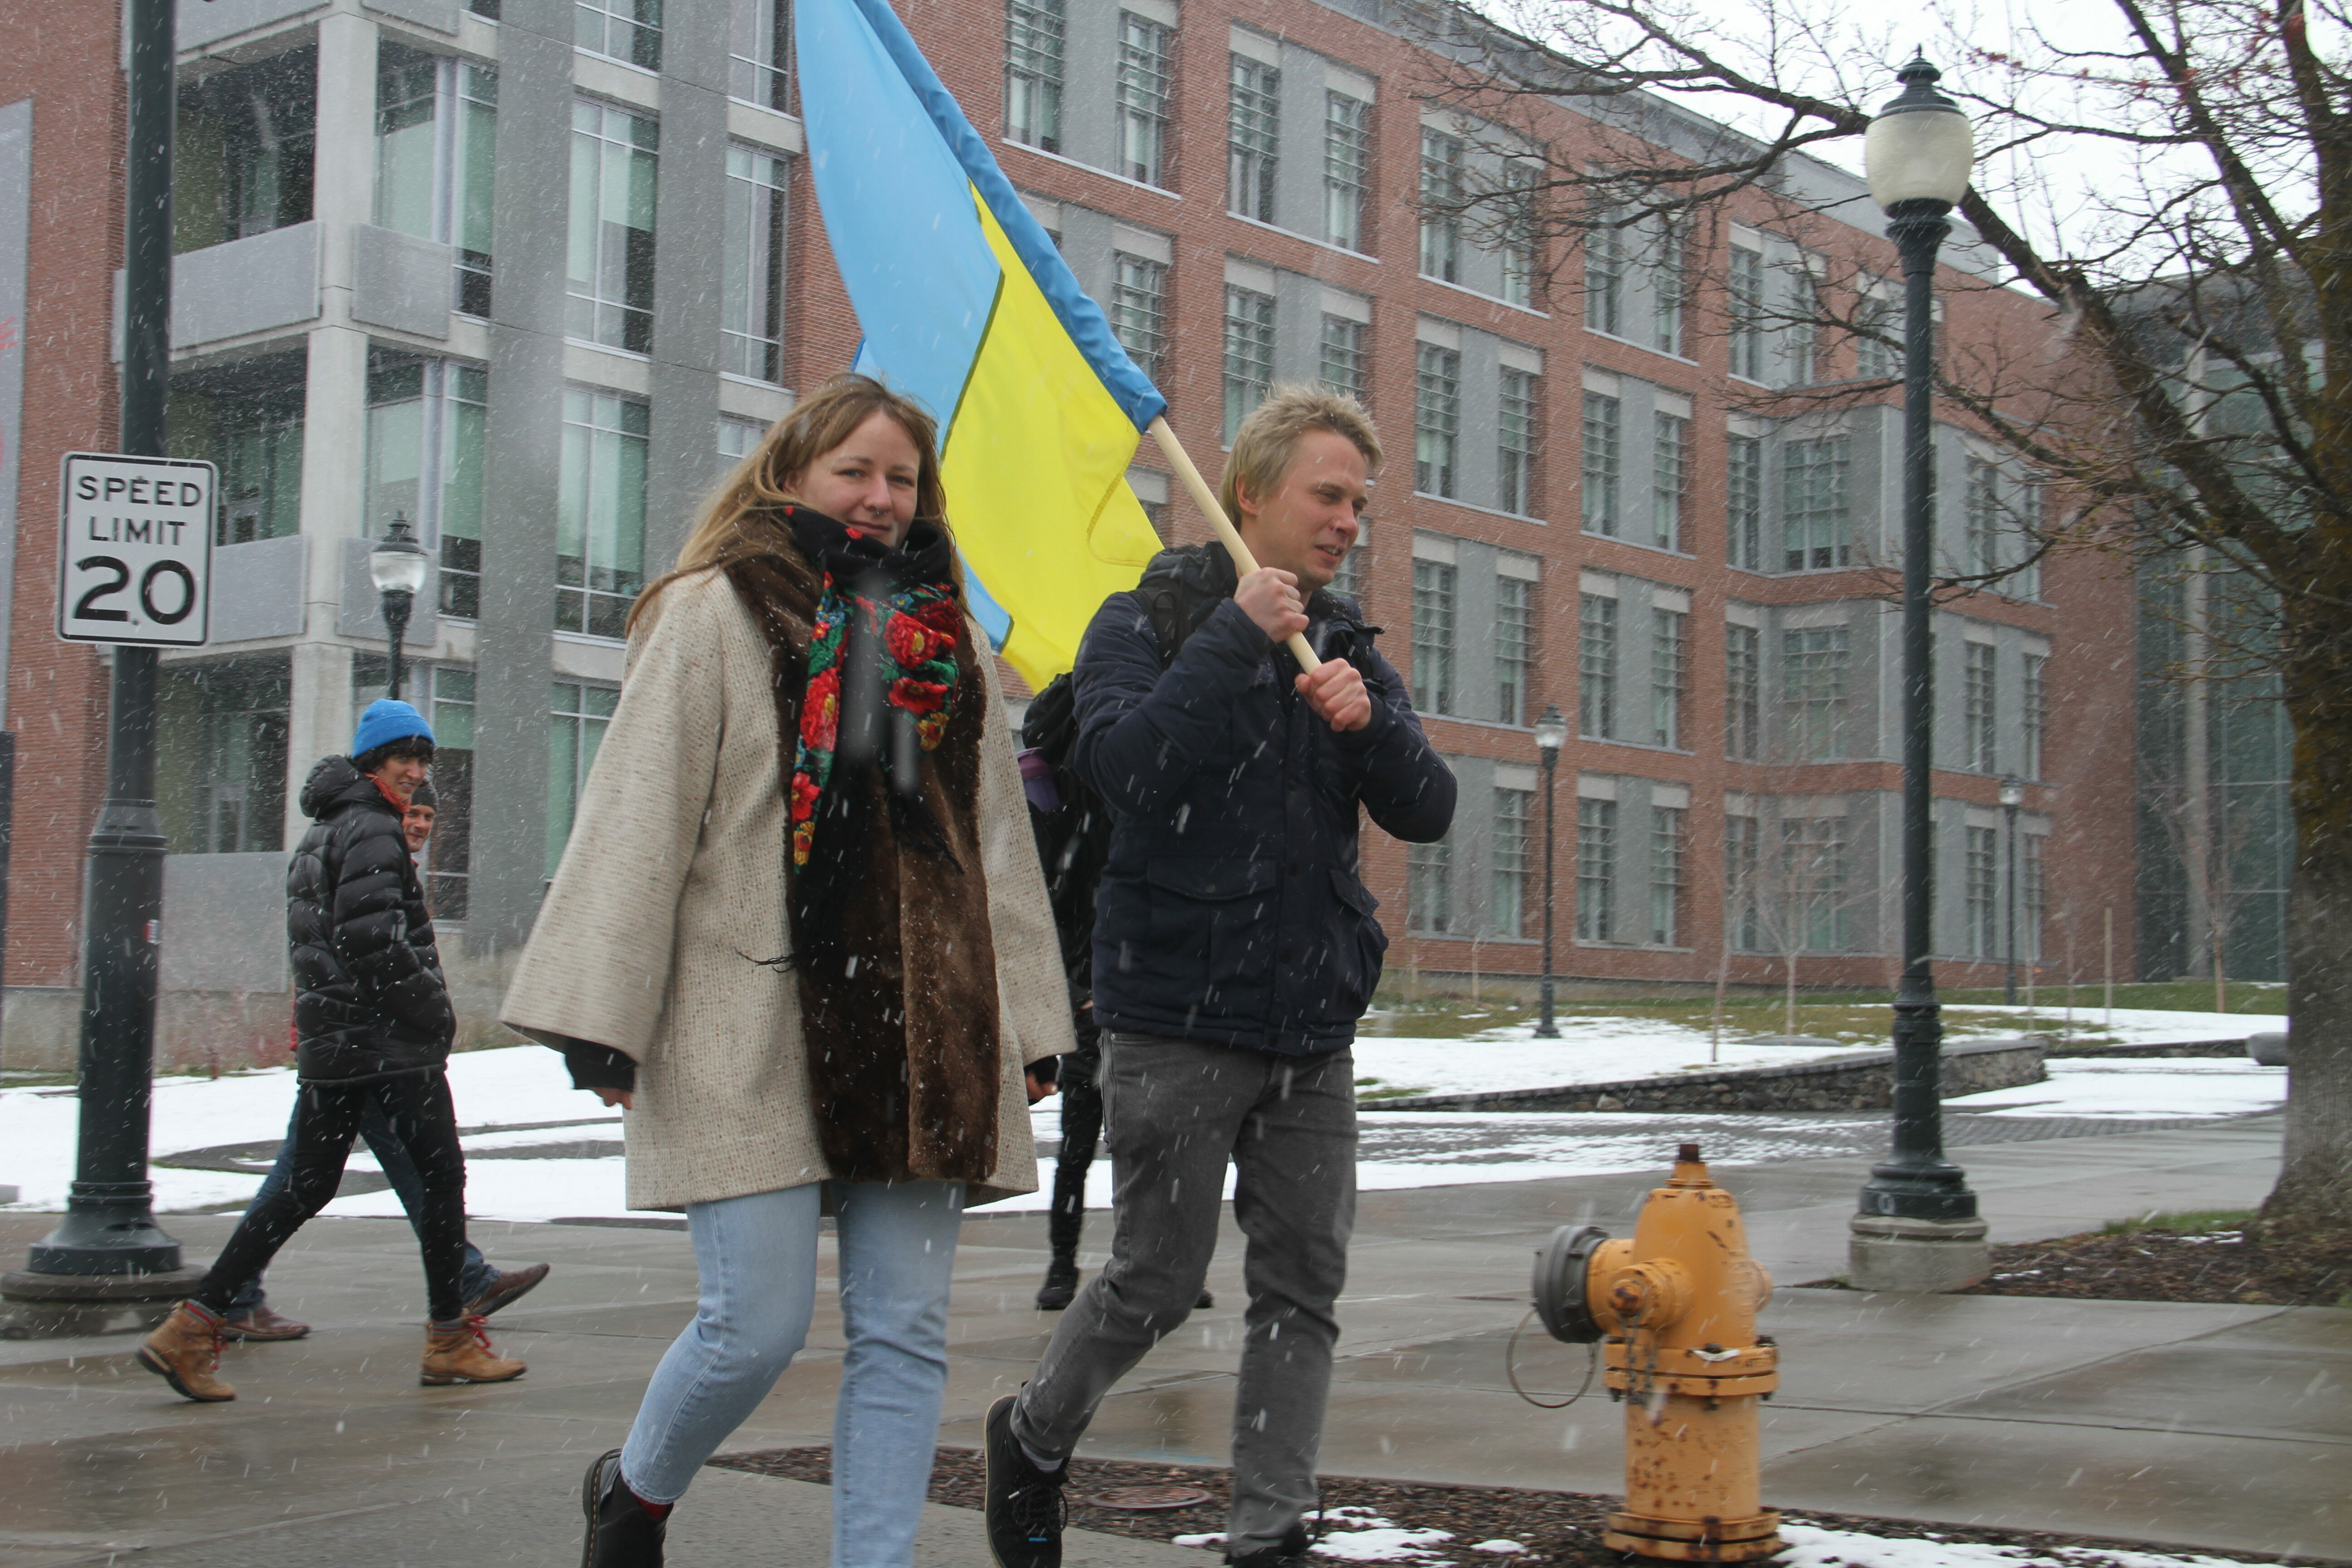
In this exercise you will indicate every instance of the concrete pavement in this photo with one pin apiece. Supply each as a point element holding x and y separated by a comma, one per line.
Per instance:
<point>2212,1426</point>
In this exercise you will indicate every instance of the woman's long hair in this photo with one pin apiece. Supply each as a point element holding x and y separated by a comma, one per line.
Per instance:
<point>743,517</point>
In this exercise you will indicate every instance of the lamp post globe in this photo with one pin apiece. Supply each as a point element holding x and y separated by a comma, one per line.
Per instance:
<point>398,565</point>
<point>1917,1226</point>
<point>1551,735</point>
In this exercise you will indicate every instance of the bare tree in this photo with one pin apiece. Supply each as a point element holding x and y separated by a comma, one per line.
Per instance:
<point>2177,188</point>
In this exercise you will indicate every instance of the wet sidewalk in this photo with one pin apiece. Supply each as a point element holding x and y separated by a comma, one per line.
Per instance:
<point>2202,1426</point>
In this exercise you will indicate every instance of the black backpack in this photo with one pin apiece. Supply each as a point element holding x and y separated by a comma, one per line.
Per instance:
<point>1074,838</point>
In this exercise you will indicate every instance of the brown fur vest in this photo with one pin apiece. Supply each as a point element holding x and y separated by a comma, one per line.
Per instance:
<point>898,1002</point>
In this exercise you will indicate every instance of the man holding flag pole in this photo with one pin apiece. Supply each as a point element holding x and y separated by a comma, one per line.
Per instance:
<point>1236,947</point>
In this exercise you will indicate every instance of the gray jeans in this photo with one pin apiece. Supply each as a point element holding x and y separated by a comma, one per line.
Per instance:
<point>1176,1111</point>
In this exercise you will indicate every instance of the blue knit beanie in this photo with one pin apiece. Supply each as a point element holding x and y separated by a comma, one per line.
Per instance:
<point>387,720</point>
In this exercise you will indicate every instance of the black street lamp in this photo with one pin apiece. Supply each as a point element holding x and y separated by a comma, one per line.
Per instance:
<point>397,563</point>
<point>1918,1228</point>
<point>1551,735</point>
<point>2012,795</point>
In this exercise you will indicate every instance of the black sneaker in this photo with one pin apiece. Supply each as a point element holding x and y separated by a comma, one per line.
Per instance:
<point>1023,1504</point>
<point>1061,1286</point>
<point>620,1532</point>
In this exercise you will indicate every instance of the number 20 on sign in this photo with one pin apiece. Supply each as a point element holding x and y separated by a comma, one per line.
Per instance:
<point>137,563</point>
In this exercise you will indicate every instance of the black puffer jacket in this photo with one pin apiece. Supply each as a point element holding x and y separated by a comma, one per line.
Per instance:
<point>369,999</point>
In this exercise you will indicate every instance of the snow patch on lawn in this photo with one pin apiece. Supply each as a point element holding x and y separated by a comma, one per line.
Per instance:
<point>2135,1087</point>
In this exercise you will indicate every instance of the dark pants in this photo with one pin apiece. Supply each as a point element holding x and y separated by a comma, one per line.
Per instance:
<point>421,1119</point>
<point>1178,1111</point>
<point>398,1169</point>
<point>1082,1119</point>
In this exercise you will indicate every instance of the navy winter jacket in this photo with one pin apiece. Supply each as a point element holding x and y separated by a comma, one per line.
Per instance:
<point>1230,910</point>
<point>369,999</point>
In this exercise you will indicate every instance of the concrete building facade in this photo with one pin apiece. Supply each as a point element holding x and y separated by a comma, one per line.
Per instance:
<point>529,273</point>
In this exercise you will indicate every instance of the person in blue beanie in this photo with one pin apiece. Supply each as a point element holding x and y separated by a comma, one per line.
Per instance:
<point>373,1026</point>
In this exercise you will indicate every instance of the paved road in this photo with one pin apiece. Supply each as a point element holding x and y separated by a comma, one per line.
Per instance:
<point>2224,1426</point>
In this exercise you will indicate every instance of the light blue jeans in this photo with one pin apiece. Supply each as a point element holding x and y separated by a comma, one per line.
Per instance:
<point>756,1256</point>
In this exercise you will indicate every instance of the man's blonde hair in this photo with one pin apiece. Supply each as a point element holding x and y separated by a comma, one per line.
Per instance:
<point>1268,439</point>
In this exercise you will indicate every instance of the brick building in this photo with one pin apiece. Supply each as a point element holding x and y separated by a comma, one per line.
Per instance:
<point>529,274</point>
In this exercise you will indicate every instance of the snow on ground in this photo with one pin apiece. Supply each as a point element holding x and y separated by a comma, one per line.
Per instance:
<point>1810,1546</point>
<point>2127,1086</point>
<point>1590,1050</point>
<point>2132,1026</point>
<point>521,1101</point>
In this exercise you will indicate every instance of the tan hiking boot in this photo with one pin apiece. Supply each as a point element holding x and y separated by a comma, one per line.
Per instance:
<point>263,1324</point>
<point>185,1352</point>
<point>461,1352</point>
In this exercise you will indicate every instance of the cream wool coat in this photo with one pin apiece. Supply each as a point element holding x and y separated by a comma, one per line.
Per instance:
<point>673,885</point>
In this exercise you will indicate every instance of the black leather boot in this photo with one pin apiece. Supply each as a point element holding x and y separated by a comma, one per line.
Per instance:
<point>620,1532</point>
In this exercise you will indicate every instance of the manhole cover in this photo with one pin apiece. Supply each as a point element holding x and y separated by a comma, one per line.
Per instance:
<point>1143,1500</point>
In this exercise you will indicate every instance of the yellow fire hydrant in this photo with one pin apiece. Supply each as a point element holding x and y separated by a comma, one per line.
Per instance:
<point>1675,1309</point>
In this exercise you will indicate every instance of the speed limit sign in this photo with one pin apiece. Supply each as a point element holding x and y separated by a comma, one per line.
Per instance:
<point>137,565</point>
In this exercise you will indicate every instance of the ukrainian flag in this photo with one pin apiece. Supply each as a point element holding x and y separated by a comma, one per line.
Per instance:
<point>967,305</point>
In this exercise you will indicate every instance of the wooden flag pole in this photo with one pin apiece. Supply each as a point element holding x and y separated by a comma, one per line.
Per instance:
<point>1227,534</point>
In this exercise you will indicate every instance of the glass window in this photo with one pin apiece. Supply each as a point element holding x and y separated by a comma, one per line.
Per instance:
<point>1983,886</point>
<point>1669,666</point>
<point>246,418</point>
<point>738,438</point>
<point>427,421</point>
<point>1347,168</point>
<point>1743,698</point>
<point>1429,887</point>
<point>1346,356</point>
<point>1604,273</point>
<point>1596,669</point>
<point>627,30</point>
<point>1743,492</point>
<point>1742,868</point>
<point>2035,898</point>
<point>1514,647</point>
<point>1514,863</point>
<point>448,854</point>
<point>1596,870</point>
<point>1978,708</point>
<point>611,253</point>
<point>242,162</point>
<point>1249,353</point>
<point>1602,460</point>
<point>1437,420</point>
<point>1670,284</point>
<point>579,717</point>
<point>1981,505</point>
<point>759,52</point>
<point>1033,73</point>
<point>1878,340</point>
<point>1138,310</point>
<point>1147,76</point>
<point>1669,477</point>
<point>1802,333</point>
<point>2025,583</point>
<point>1747,307</point>
<point>1814,663</point>
<point>1434,608</point>
<point>407,101</point>
<point>1514,442</point>
<point>1441,197</point>
<point>601,512</point>
<point>222,735</point>
<point>1813,883</point>
<point>1252,136</point>
<point>1354,576</point>
<point>2036,712</point>
<point>751,329</point>
<point>1522,252</point>
<point>1665,875</point>
<point>1814,535</point>
<point>433,186</point>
